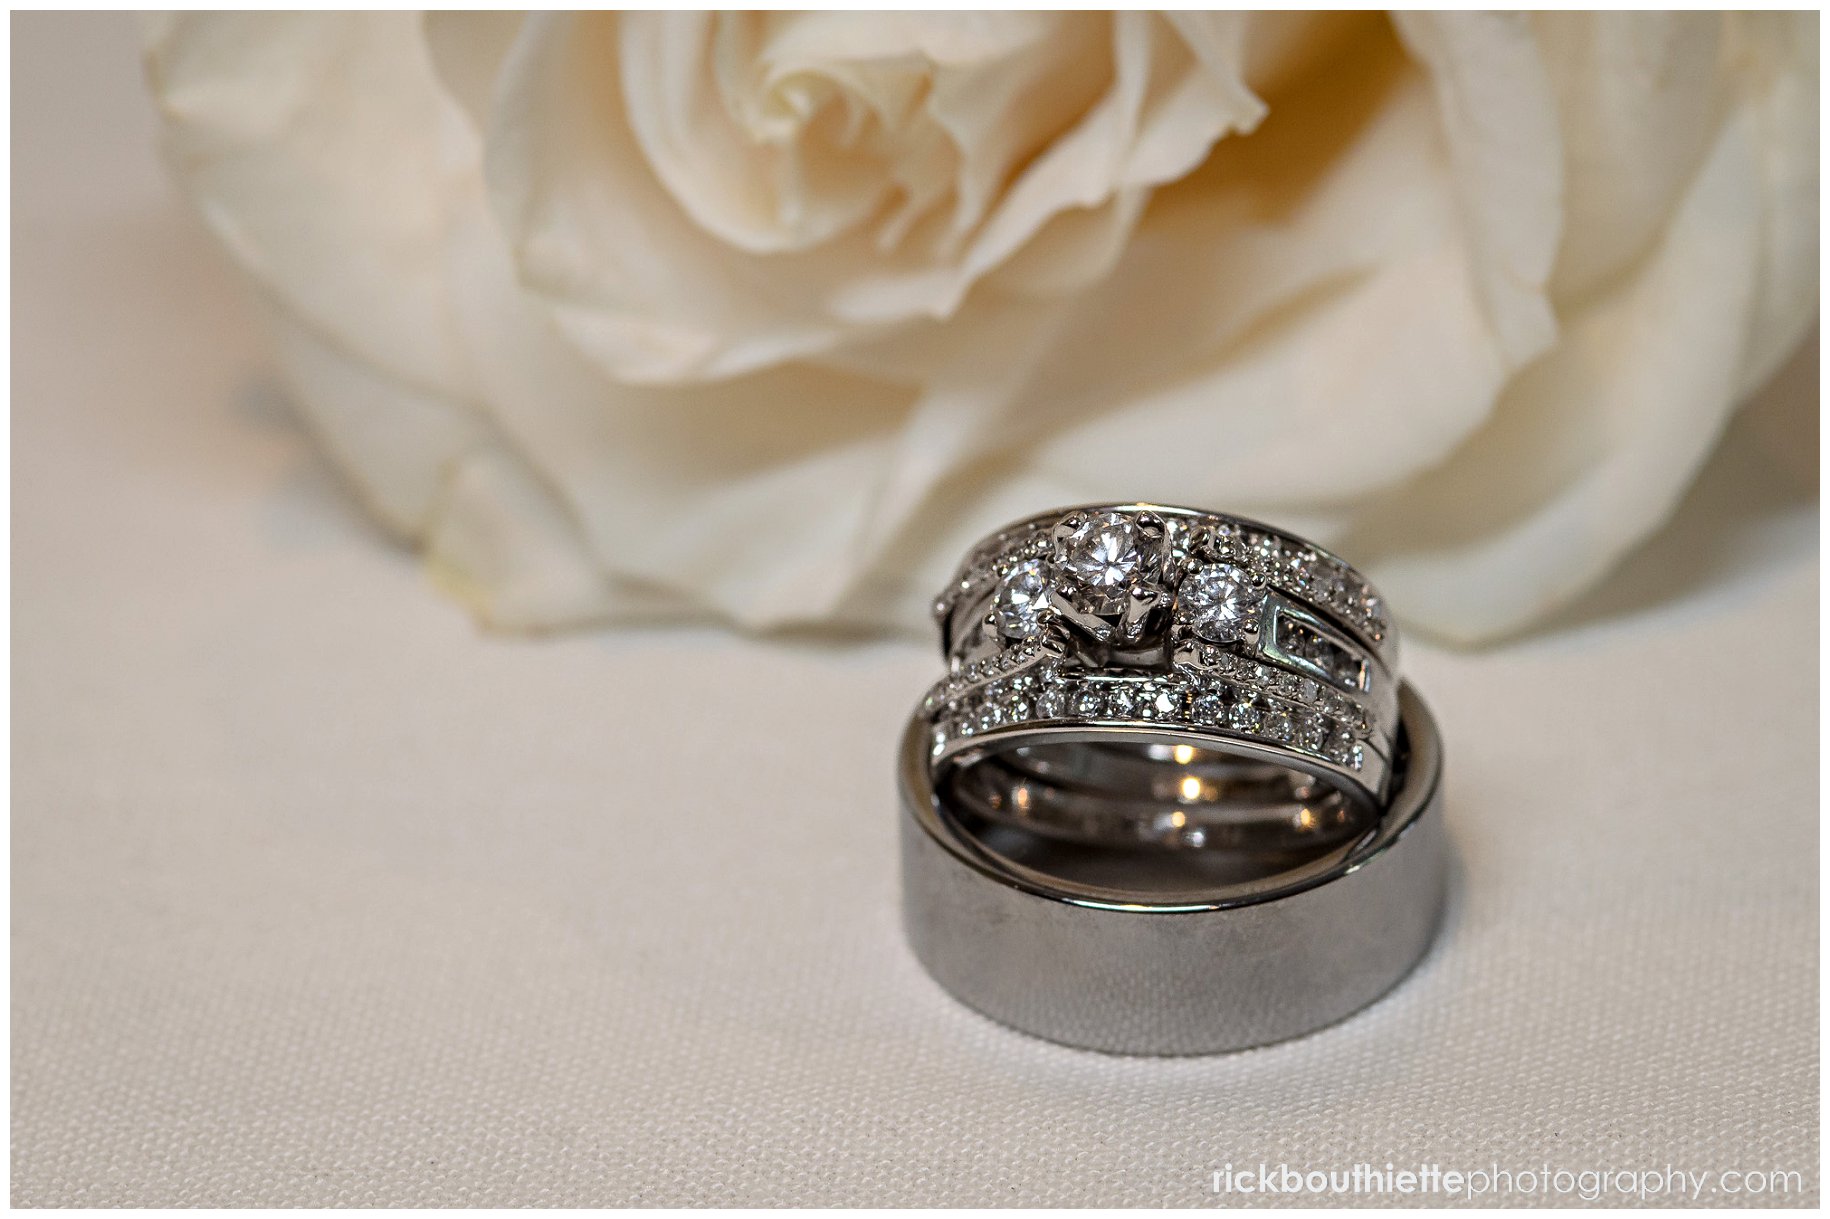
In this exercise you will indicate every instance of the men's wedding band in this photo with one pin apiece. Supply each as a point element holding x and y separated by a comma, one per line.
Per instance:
<point>1171,952</point>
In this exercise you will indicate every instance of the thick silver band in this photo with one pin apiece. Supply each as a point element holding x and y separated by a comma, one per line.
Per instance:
<point>1178,952</point>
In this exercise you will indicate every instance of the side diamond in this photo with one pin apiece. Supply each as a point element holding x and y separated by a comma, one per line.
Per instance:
<point>1219,602</point>
<point>1022,605</point>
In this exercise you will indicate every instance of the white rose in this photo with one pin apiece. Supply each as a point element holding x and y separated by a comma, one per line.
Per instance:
<point>767,316</point>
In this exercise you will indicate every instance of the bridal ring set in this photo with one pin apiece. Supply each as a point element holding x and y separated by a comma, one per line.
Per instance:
<point>1171,796</point>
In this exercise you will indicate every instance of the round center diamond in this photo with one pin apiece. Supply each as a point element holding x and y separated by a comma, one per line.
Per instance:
<point>1023,600</point>
<point>1218,602</point>
<point>1102,554</point>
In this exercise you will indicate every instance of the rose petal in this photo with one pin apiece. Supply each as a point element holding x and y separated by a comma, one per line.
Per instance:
<point>322,152</point>
<point>1274,300</point>
<point>774,464</point>
<point>1499,119</point>
<point>646,291</point>
<point>394,441</point>
<point>468,49</point>
<point>1638,99</point>
<point>1780,86</point>
<point>1590,450</point>
<point>502,545</point>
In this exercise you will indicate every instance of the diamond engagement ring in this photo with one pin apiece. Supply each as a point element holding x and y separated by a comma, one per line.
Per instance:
<point>1148,625</point>
<point>1171,796</point>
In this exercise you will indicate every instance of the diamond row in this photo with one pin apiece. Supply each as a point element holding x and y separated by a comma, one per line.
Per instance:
<point>980,673</point>
<point>1197,701</point>
<point>1198,662</point>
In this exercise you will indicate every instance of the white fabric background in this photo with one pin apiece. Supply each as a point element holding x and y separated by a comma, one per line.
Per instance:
<point>321,897</point>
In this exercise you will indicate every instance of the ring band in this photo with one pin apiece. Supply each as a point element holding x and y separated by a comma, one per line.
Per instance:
<point>1088,948</point>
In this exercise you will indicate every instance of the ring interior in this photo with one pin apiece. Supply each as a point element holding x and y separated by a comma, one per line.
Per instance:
<point>1148,817</point>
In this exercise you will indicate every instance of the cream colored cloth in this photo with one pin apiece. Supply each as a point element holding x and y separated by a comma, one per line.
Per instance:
<point>321,898</point>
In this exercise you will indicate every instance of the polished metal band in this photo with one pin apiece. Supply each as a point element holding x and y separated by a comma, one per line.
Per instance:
<point>1166,952</point>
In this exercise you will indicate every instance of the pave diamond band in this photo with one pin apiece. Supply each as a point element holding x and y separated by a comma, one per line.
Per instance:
<point>1174,708</point>
<point>1238,700</point>
<point>1163,626</point>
